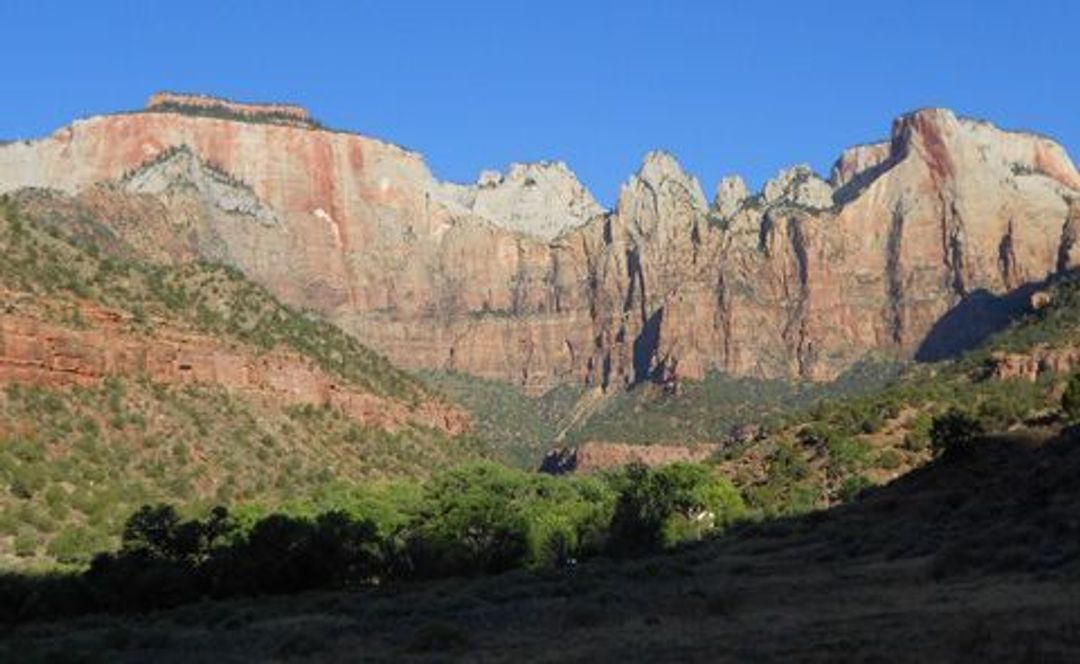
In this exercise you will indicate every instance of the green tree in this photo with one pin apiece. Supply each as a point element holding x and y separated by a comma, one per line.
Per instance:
<point>470,521</point>
<point>662,507</point>
<point>1070,399</point>
<point>953,434</point>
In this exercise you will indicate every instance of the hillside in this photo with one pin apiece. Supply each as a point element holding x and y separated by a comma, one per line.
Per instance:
<point>519,428</point>
<point>126,382</point>
<point>964,558</point>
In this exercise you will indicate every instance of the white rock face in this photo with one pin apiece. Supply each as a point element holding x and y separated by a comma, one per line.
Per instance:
<point>661,200</point>
<point>489,179</point>
<point>799,185</point>
<point>731,193</point>
<point>541,199</point>
<point>857,160</point>
<point>661,170</point>
<point>662,178</point>
<point>180,167</point>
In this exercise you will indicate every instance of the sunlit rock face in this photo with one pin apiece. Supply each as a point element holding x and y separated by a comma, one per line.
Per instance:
<point>523,277</point>
<point>37,351</point>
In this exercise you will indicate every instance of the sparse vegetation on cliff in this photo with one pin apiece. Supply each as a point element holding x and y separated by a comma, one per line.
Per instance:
<point>223,111</point>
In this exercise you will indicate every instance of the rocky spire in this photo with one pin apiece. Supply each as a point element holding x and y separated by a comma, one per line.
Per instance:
<point>731,193</point>
<point>541,199</point>
<point>799,186</point>
<point>660,194</point>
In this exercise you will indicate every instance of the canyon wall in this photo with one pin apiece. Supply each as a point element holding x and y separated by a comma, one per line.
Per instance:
<point>523,277</point>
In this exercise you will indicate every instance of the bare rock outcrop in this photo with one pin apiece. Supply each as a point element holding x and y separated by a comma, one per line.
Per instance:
<point>798,186</point>
<point>731,194</point>
<point>36,351</point>
<point>540,200</point>
<point>1031,365</point>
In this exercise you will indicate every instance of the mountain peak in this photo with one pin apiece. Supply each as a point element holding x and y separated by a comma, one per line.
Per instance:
<point>660,165</point>
<point>659,172</point>
<point>799,185</point>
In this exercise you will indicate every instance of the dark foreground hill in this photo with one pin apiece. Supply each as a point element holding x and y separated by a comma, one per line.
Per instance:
<point>970,558</point>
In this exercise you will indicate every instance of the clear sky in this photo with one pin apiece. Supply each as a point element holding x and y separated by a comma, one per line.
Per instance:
<point>745,87</point>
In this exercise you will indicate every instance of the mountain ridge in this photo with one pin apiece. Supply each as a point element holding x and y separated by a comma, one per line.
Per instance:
<point>666,285</point>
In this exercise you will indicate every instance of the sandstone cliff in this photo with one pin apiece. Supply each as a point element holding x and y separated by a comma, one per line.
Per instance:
<point>36,351</point>
<point>523,278</point>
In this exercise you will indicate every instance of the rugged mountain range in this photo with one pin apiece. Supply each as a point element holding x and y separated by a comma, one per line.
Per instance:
<point>525,278</point>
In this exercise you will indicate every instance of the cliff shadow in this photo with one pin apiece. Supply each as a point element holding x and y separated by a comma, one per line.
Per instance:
<point>645,346</point>
<point>975,318</point>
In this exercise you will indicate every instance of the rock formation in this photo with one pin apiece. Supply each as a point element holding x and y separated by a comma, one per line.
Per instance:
<point>1034,364</point>
<point>522,277</point>
<point>731,194</point>
<point>542,200</point>
<point>36,351</point>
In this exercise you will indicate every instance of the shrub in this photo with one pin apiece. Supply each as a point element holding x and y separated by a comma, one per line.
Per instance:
<point>953,434</point>
<point>787,464</point>
<point>1070,399</point>
<point>788,488</point>
<point>26,543</point>
<point>917,438</point>
<point>76,544</point>
<point>847,454</point>
<point>889,459</point>
<point>852,487</point>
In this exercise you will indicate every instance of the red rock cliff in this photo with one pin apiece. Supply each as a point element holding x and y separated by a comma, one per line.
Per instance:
<point>35,351</point>
<point>802,280</point>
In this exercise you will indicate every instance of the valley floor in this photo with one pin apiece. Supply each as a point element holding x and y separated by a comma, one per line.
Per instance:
<point>700,605</point>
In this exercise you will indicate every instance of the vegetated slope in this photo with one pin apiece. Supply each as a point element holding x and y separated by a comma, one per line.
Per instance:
<point>127,383</point>
<point>969,557</point>
<point>519,428</point>
<point>832,450</point>
<point>819,445</point>
<point>57,245</point>
<point>523,428</point>
<point>711,410</point>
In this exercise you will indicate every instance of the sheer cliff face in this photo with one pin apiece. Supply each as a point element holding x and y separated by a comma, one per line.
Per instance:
<point>523,277</point>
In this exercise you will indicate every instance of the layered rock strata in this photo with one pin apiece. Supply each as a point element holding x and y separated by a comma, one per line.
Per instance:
<point>36,351</point>
<point>522,277</point>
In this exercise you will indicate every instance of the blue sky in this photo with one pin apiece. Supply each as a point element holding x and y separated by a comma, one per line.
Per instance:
<point>745,87</point>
